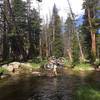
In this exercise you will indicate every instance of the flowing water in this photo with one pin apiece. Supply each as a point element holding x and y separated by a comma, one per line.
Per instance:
<point>29,87</point>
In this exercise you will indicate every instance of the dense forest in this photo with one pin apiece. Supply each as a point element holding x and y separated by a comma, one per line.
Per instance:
<point>49,57</point>
<point>24,35</point>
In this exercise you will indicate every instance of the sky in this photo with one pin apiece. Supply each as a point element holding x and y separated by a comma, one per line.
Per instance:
<point>62,5</point>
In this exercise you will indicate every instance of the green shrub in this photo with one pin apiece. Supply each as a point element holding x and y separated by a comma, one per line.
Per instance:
<point>3,70</point>
<point>35,60</point>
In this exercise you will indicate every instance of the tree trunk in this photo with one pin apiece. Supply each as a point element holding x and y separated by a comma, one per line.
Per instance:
<point>47,51</point>
<point>69,54</point>
<point>93,37</point>
<point>40,46</point>
<point>80,47</point>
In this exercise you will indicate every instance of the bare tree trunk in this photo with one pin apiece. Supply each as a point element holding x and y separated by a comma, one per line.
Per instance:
<point>46,36</point>
<point>69,54</point>
<point>93,37</point>
<point>53,28</point>
<point>80,47</point>
<point>53,35</point>
<point>76,31</point>
<point>40,46</point>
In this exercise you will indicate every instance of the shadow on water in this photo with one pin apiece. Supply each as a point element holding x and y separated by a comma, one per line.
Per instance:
<point>63,87</point>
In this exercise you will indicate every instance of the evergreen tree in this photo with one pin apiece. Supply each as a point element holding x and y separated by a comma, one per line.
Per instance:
<point>57,36</point>
<point>34,30</point>
<point>75,50</point>
<point>19,10</point>
<point>18,31</point>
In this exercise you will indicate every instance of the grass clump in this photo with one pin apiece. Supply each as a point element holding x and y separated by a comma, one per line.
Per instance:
<point>67,63</point>
<point>83,66</point>
<point>87,93</point>
<point>37,63</point>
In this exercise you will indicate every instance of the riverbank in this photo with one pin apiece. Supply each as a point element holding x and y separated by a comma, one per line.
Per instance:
<point>15,68</point>
<point>30,67</point>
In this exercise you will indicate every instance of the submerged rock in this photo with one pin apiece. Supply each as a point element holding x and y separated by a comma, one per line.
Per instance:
<point>36,73</point>
<point>4,76</point>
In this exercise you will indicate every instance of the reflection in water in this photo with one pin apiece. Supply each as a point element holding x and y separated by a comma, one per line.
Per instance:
<point>53,89</point>
<point>40,88</point>
<point>55,82</point>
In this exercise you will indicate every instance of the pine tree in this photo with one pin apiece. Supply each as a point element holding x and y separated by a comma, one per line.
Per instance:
<point>17,32</point>
<point>19,11</point>
<point>57,37</point>
<point>20,30</point>
<point>35,29</point>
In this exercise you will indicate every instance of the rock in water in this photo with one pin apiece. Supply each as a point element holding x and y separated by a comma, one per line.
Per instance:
<point>36,73</point>
<point>4,76</point>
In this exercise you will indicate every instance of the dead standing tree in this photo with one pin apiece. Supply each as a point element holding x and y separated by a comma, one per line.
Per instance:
<point>76,31</point>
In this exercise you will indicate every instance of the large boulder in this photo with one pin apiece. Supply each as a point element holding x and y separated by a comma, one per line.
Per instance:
<point>4,66</point>
<point>25,67</point>
<point>28,65</point>
<point>10,68</point>
<point>15,65</point>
